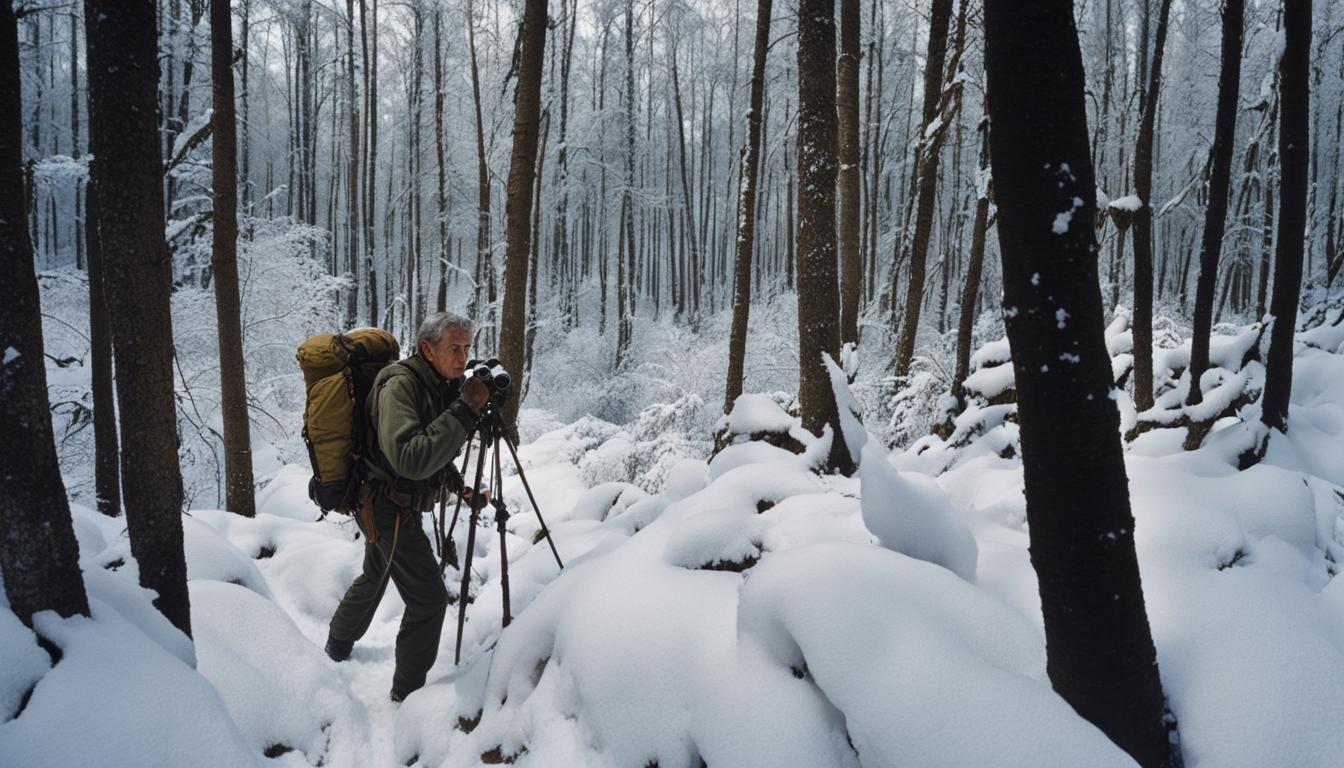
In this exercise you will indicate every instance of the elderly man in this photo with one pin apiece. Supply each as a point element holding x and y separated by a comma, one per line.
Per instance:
<point>420,413</point>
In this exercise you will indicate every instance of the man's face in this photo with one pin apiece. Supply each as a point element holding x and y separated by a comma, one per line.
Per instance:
<point>449,356</point>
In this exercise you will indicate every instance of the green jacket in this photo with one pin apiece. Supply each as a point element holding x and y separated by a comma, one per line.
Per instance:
<point>417,437</point>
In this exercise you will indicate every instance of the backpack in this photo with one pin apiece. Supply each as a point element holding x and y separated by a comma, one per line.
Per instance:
<point>338,373</point>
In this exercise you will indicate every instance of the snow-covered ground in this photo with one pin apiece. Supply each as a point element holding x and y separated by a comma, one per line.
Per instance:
<point>739,610</point>
<point>749,613</point>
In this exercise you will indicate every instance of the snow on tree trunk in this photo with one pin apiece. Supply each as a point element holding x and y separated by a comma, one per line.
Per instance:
<point>1100,654</point>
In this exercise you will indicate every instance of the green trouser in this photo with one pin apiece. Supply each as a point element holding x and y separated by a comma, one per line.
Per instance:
<point>415,572</point>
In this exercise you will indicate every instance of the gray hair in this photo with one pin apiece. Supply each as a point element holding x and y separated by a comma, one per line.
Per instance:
<point>434,326</point>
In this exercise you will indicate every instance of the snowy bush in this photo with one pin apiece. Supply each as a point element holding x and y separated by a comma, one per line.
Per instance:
<point>286,296</point>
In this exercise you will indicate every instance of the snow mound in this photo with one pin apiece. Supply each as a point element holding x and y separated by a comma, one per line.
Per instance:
<point>117,698</point>
<point>911,514</point>
<point>280,689</point>
<point>915,664</point>
<point>755,413</point>
<point>211,556</point>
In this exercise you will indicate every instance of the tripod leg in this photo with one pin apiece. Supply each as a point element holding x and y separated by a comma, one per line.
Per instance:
<point>466,568</point>
<point>502,517</point>
<point>449,556</point>
<point>545,530</point>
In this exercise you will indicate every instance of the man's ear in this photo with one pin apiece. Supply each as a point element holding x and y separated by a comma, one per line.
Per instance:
<point>423,347</point>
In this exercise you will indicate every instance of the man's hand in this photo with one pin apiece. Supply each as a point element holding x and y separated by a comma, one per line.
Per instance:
<point>474,394</point>
<point>472,501</point>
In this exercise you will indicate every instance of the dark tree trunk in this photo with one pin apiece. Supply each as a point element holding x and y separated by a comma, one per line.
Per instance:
<point>106,461</point>
<point>696,267</point>
<point>926,180</point>
<point>1215,215</point>
<point>1294,130</point>
<point>847,108</point>
<point>352,224</point>
<point>39,557</point>
<point>1143,226</point>
<point>974,269</point>
<point>123,79</point>
<point>484,262</point>
<point>518,205</point>
<point>746,211</point>
<point>441,298</point>
<point>534,255</point>
<point>818,292</point>
<point>370,76</point>
<point>1099,649</point>
<point>239,497</point>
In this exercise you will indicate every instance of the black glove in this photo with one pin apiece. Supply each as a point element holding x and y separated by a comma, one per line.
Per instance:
<point>459,409</point>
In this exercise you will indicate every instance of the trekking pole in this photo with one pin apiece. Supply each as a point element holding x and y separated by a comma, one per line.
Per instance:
<point>471,545</point>
<point>527,487</point>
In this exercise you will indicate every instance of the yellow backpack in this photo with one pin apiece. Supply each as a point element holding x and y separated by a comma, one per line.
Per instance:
<point>338,372</point>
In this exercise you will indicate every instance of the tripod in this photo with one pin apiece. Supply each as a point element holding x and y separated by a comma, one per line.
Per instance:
<point>491,432</point>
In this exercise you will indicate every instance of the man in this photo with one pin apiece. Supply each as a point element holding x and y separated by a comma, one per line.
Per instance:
<point>420,413</point>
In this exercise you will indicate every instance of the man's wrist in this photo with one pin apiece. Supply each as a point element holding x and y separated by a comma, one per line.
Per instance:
<point>463,413</point>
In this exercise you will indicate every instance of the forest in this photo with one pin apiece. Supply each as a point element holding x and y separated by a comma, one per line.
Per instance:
<point>899,379</point>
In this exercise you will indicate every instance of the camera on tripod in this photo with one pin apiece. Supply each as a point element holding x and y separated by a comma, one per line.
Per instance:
<point>491,373</point>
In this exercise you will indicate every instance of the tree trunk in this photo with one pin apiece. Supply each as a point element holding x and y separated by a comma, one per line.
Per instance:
<point>39,557</point>
<point>239,497</point>
<point>746,212</point>
<point>1142,324</point>
<point>533,256</point>
<point>1215,214</point>
<point>483,259</point>
<point>696,267</point>
<point>818,293</point>
<point>441,189</point>
<point>106,462</point>
<point>370,75</point>
<point>847,107</point>
<point>123,79</point>
<point>1293,143</point>
<point>106,472</point>
<point>926,170</point>
<point>518,206</point>
<point>1099,649</point>
<point>352,224</point>
<point>974,269</point>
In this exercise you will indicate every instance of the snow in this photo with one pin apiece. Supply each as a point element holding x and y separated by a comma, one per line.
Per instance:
<point>912,515</point>
<point>743,609</point>
<point>1129,203</point>
<point>757,413</point>
<point>11,354</point>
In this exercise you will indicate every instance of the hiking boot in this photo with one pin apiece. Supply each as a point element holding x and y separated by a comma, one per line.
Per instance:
<point>338,651</point>
<point>397,696</point>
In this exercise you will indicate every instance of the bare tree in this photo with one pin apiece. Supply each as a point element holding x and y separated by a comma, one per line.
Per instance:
<point>1215,214</point>
<point>818,293</point>
<point>1143,226</point>
<point>239,497</point>
<point>39,557</point>
<point>1099,648</point>
<point>925,180</point>
<point>1294,136</point>
<point>847,104</point>
<point>123,80</point>
<point>518,209</point>
<point>746,211</point>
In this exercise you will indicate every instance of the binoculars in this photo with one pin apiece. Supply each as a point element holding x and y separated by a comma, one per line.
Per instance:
<point>492,374</point>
